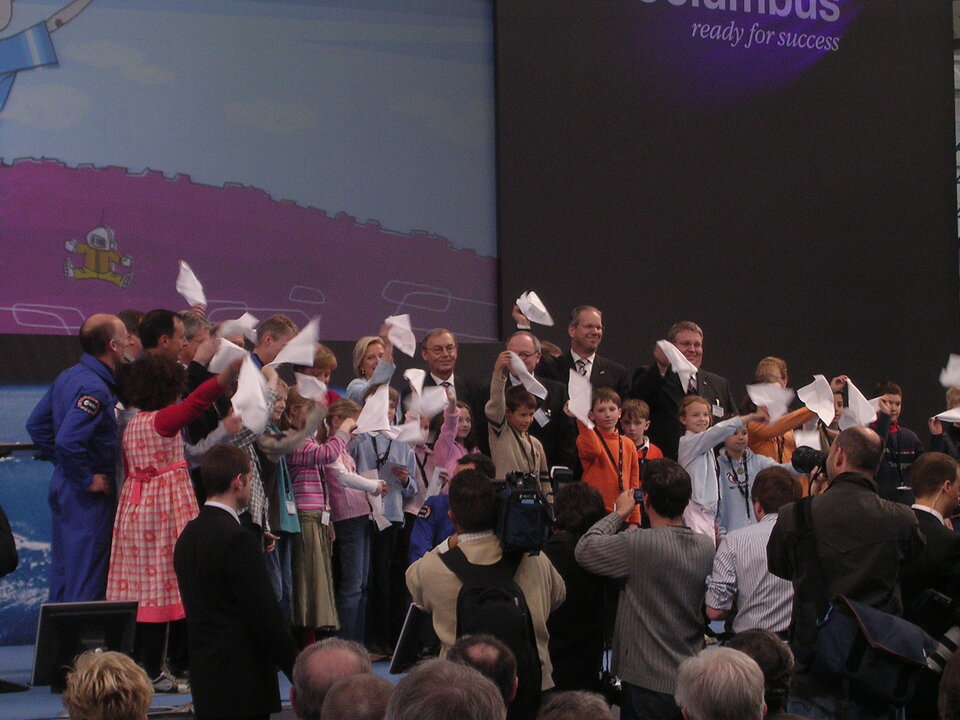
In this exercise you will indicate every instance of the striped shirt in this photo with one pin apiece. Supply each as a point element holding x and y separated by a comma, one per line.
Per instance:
<point>660,612</point>
<point>304,464</point>
<point>740,572</point>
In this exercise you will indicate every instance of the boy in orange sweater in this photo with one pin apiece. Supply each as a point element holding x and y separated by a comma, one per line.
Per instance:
<point>609,462</point>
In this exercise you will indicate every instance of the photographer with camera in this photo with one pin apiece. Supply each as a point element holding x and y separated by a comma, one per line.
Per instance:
<point>660,614</point>
<point>520,589</point>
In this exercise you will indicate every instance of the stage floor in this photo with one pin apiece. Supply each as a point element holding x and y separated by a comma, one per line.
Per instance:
<point>16,665</point>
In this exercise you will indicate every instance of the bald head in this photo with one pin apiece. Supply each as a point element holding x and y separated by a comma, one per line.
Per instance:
<point>856,449</point>
<point>321,665</point>
<point>104,337</point>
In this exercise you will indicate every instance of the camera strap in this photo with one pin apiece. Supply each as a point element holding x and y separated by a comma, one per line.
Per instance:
<point>617,465</point>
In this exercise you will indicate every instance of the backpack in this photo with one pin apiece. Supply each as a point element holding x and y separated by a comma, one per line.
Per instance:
<point>490,602</point>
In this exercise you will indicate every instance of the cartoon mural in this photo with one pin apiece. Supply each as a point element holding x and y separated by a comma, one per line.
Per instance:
<point>328,159</point>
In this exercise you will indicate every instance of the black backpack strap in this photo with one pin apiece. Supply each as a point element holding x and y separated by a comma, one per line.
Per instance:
<point>807,544</point>
<point>499,573</point>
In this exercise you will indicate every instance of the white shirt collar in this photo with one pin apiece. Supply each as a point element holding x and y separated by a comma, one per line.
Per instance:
<point>438,381</point>
<point>214,503</point>
<point>938,516</point>
<point>587,358</point>
<point>467,537</point>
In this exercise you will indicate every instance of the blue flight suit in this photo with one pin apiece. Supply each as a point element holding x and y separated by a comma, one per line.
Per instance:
<point>75,427</point>
<point>431,527</point>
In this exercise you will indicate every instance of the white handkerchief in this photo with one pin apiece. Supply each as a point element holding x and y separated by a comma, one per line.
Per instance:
<point>311,388</point>
<point>952,415</point>
<point>432,401</point>
<point>226,353</point>
<point>189,287</point>
<point>681,366</point>
<point>581,398</point>
<point>415,376</point>
<point>532,306</point>
<point>400,334</point>
<point>818,397</point>
<point>519,370</point>
<point>808,438</point>
<point>303,348</point>
<point>376,503</point>
<point>950,375</point>
<point>774,398</point>
<point>250,400</point>
<point>436,482</point>
<point>859,411</point>
<point>409,432</point>
<point>374,417</point>
<point>245,325</point>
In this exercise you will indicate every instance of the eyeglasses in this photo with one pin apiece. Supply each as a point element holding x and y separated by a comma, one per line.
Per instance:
<point>524,355</point>
<point>441,349</point>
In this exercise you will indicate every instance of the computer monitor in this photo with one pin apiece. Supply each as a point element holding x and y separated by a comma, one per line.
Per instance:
<point>65,630</point>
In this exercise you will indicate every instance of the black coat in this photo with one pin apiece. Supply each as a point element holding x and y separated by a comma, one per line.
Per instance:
<point>603,372</point>
<point>237,634</point>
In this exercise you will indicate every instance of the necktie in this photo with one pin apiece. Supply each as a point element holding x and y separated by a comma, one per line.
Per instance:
<point>445,384</point>
<point>582,367</point>
<point>692,385</point>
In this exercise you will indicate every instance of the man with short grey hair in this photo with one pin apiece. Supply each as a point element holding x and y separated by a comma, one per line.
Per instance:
<point>443,689</point>
<point>318,667</point>
<point>720,684</point>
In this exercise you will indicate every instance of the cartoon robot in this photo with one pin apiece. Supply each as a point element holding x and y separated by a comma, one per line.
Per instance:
<point>100,258</point>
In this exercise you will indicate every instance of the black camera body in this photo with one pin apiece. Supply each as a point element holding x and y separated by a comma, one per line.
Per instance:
<point>805,459</point>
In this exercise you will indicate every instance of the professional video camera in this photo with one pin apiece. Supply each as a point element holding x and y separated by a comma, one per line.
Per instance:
<point>805,459</point>
<point>524,516</point>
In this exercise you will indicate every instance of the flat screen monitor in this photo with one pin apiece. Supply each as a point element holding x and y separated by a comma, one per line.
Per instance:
<point>66,630</point>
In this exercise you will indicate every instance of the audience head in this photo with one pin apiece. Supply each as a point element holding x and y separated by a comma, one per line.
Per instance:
<point>667,488</point>
<point>477,461</point>
<point>856,449</point>
<point>525,344</point>
<point>605,409</point>
<point>551,349</point>
<point>366,355</point>
<point>892,393</point>
<point>439,352</point>
<point>272,336</point>
<point>521,406</point>
<point>324,363</point>
<point>774,487</point>
<point>577,507</point>
<point>105,338</point>
<point>225,471</point>
<point>107,686</point>
<point>339,410</point>
<point>575,705</point>
<point>492,658</point>
<point>392,395</point>
<point>953,397</point>
<point>585,330</point>
<point>131,321</point>
<point>357,697</point>
<point>152,382</point>
<point>442,690</point>
<point>196,331</point>
<point>635,419</point>
<point>162,333</point>
<point>466,432</point>
<point>295,412</point>
<point>688,337</point>
<point>473,501</point>
<point>934,478</point>
<point>771,369</point>
<point>775,659</point>
<point>318,667</point>
<point>720,684</point>
<point>695,413</point>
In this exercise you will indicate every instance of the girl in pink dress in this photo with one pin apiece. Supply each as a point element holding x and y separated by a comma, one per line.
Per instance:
<point>157,499</point>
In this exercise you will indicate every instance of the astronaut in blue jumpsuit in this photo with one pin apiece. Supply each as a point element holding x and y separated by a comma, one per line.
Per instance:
<point>75,427</point>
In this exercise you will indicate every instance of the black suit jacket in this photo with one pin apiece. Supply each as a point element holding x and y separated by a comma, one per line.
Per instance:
<point>663,394</point>
<point>237,634</point>
<point>603,372</point>
<point>467,390</point>
<point>938,567</point>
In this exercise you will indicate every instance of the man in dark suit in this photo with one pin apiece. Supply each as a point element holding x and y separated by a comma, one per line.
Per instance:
<point>935,479</point>
<point>439,352</point>
<point>659,386</point>
<point>237,634</point>
<point>551,425</point>
<point>586,332</point>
